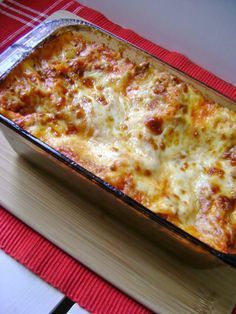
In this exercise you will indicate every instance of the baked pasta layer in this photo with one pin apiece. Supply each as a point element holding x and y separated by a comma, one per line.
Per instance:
<point>146,132</point>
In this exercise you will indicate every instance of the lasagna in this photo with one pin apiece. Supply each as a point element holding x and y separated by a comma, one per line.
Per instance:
<point>144,131</point>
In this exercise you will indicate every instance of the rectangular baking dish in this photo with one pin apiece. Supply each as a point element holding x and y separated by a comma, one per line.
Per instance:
<point>157,229</point>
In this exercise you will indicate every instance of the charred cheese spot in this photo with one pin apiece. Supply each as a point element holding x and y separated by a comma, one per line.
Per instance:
<point>231,155</point>
<point>88,82</point>
<point>216,171</point>
<point>155,125</point>
<point>142,130</point>
<point>102,100</point>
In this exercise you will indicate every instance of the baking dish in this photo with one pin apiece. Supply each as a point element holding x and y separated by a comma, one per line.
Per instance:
<point>118,202</point>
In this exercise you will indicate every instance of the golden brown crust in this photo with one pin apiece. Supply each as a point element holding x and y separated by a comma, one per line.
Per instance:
<point>146,132</point>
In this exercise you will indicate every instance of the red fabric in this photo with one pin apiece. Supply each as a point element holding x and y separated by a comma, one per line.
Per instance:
<point>14,16</point>
<point>20,241</point>
<point>61,270</point>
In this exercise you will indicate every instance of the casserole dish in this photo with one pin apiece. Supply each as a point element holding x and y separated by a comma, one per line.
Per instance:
<point>111,197</point>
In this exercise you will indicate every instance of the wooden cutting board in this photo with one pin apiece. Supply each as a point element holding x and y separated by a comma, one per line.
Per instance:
<point>120,255</point>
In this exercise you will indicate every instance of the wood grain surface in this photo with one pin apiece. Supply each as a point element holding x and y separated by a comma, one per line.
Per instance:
<point>120,255</point>
<point>123,257</point>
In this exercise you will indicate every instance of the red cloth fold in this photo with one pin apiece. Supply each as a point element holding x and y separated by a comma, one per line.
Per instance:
<point>19,240</point>
<point>18,17</point>
<point>61,270</point>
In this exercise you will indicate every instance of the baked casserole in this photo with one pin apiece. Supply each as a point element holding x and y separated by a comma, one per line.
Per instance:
<point>144,131</point>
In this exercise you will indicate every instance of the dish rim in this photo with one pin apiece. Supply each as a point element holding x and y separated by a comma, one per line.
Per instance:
<point>225,257</point>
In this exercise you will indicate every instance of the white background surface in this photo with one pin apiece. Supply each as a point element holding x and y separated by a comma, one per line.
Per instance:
<point>203,30</point>
<point>22,292</point>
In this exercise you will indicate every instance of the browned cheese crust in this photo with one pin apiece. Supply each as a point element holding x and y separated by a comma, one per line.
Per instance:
<point>144,131</point>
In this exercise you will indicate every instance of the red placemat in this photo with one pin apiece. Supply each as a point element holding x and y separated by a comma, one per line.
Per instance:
<point>18,17</point>
<point>19,240</point>
<point>61,270</point>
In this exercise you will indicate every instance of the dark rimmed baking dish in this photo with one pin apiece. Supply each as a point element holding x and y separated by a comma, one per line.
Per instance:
<point>125,208</point>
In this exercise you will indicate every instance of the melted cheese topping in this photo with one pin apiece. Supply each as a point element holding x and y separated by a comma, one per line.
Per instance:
<point>146,132</point>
